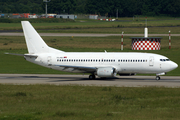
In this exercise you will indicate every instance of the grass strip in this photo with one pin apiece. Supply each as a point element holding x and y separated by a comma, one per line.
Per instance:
<point>89,26</point>
<point>88,102</point>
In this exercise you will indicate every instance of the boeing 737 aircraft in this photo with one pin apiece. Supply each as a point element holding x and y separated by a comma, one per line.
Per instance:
<point>101,64</point>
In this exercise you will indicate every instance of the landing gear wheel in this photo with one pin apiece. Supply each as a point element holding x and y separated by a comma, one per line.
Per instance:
<point>91,77</point>
<point>158,78</point>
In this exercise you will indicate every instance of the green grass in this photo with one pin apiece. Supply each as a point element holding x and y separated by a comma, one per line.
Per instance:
<point>46,102</point>
<point>117,30</point>
<point>16,64</point>
<point>88,26</point>
<point>50,102</point>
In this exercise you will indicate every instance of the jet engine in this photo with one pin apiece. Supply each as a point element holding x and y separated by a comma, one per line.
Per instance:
<point>106,72</point>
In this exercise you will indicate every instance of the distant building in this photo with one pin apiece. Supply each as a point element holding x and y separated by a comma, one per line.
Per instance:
<point>24,15</point>
<point>32,16</point>
<point>2,15</point>
<point>93,16</point>
<point>66,16</point>
<point>51,15</point>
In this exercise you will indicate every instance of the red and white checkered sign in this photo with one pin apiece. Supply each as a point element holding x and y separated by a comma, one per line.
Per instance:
<point>146,44</point>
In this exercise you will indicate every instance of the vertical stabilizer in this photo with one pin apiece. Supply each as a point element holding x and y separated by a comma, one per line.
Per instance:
<point>35,43</point>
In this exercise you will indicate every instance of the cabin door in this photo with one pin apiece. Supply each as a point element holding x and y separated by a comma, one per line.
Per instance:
<point>151,61</point>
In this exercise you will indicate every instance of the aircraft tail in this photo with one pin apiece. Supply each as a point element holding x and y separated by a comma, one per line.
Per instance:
<point>34,42</point>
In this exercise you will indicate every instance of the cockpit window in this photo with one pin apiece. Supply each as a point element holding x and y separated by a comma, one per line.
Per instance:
<point>164,60</point>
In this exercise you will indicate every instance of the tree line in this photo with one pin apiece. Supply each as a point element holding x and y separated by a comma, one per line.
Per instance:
<point>122,8</point>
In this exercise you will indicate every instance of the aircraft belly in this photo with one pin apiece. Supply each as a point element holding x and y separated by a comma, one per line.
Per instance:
<point>68,69</point>
<point>138,68</point>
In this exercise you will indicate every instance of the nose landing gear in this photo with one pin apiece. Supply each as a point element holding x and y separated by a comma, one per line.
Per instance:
<point>92,77</point>
<point>158,78</point>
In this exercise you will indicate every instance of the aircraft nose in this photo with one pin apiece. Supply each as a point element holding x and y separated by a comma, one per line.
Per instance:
<point>174,65</point>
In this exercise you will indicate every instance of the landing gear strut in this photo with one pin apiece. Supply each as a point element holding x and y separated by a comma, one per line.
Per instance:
<point>158,78</point>
<point>92,77</point>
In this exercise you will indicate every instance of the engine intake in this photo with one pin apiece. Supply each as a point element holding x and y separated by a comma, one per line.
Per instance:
<point>106,72</point>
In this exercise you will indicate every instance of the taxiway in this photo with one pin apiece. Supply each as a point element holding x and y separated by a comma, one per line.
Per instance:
<point>119,81</point>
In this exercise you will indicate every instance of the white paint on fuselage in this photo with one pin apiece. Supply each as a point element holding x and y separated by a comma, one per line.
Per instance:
<point>123,62</point>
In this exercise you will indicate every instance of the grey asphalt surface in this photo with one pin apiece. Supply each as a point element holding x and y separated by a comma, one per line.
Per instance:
<point>119,81</point>
<point>85,34</point>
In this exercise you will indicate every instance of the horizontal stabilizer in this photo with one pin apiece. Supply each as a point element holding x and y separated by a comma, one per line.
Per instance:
<point>14,54</point>
<point>30,55</point>
<point>26,55</point>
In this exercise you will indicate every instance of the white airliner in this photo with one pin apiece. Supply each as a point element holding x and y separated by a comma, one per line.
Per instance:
<point>101,64</point>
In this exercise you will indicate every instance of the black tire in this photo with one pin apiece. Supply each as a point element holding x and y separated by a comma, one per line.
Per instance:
<point>91,77</point>
<point>158,78</point>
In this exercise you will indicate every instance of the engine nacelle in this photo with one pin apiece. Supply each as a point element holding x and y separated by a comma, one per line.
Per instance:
<point>127,74</point>
<point>106,72</point>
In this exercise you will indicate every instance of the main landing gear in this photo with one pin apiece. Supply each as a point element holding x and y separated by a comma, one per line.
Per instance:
<point>92,77</point>
<point>158,78</point>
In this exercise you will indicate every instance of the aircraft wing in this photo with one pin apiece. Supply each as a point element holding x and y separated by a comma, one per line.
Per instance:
<point>81,68</point>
